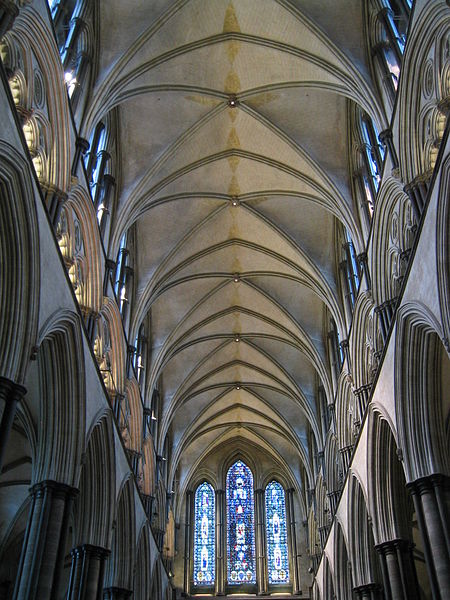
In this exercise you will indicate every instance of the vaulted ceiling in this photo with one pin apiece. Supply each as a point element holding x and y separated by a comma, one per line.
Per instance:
<point>233,166</point>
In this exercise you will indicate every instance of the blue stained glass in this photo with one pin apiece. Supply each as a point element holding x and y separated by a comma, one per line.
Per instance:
<point>204,536</point>
<point>276,534</point>
<point>241,566</point>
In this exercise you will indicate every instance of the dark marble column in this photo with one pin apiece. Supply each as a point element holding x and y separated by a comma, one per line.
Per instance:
<point>346,455</point>
<point>110,267</point>
<point>8,13</point>
<point>10,395</point>
<point>44,543</point>
<point>261,562</point>
<point>385,138</point>
<point>188,542</point>
<point>362,399</point>
<point>220,543</point>
<point>54,202</point>
<point>431,496</point>
<point>386,312</point>
<point>86,575</point>
<point>81,147</point>
<point>295,558</point>
<point>399,572</point>
<point>417,191</point>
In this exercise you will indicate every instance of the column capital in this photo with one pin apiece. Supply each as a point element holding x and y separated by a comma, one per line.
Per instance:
<point>116,593</point>
<point>392,546</point>
<point>427,483</point>
<point>82,144</point>
<point>61,490</point>
<point>91,551</point>
<point>11,391</point>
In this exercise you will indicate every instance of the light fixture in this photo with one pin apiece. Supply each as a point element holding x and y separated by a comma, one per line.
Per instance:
<point>236,278</point>
<point>232,101</point>
<point>238,386</point>
<point>235,201</point>
<point>237,338</point>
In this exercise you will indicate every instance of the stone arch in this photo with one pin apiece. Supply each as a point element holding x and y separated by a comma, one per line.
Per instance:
<point>331,461</point>
<point>19,257</point>
<point>119,570</point>
<point>31,29</point>
<point>387,241</point>
<point>443,251</point>
<point>422,405</point>
<point>365,568</point>
<point>62,392</point>
<point>82,205</point>
<point>431,26</point>
<point>386,488</point>
<point>148,468</point>
<point>145,563</point>
<point>136,417</point>
<point>95,504</point>
<point>342,566</point>
<point>328,585</point>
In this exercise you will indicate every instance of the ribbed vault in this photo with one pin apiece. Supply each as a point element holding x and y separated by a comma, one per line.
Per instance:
<point>233,177</point>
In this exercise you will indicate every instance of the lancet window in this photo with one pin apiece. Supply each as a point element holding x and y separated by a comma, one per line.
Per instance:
<point>241,566</point>
<point>276,534</point>
<point>239,506</point>
<point>204,535</point>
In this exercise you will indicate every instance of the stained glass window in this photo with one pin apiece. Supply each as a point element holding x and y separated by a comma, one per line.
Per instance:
<point>241,529</point>
<point>276,534</point>
<point>204,535</point>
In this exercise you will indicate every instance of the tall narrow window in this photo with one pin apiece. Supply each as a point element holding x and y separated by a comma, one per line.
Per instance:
<point>241,566</point>
<point>276,534</point>
<point>204,536</point>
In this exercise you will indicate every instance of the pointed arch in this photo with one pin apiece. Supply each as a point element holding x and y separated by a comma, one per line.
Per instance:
<point>119,569</point>
<point>63,398</point>
<point>421,407</point>
<point>94,508</point>
<point>19,259</point>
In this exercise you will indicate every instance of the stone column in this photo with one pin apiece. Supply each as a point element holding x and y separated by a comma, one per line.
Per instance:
<point>430,496</point>
<point>261,561</point>
<point>417,191</point>
<point>81,147</point>
<point>44,543</point>
<point>385,138</point>
<point>399,572</point>
<point>188,542</point>
<point>86,575</point>
<point>292,538</point>
<point>10,394</point>
<point>8,13</point>
<point>220,543</point>
<point>110,267</point>
<point>115,593</point>
<point>364,267</point>
<point>54,202</point>
<point>346,455</point>
<point>362,398</point>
